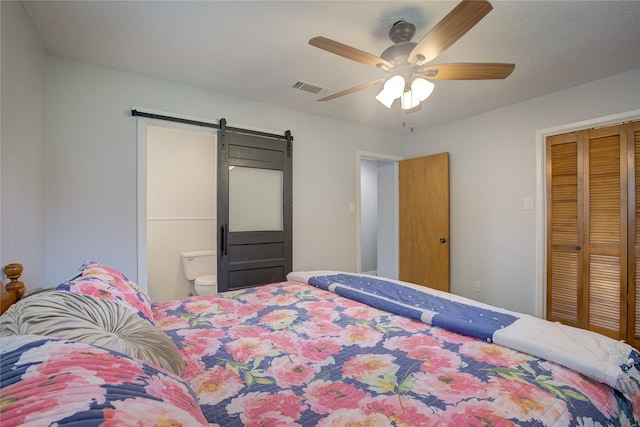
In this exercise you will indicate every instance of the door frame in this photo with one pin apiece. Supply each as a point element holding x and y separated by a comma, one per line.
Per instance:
<point>360,155</point>
<point>141,183</point>
<point>541,135</point>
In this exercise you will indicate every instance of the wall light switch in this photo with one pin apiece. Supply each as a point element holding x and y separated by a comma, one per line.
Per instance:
<point>352,207</point>
<point>528,203</point>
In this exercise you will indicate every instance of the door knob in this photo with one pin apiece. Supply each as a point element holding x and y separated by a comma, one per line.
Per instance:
<point>578,248</point>
<point>443,240</point>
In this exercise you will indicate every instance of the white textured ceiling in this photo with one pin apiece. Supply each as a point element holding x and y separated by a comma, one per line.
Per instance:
<point>258,49</point>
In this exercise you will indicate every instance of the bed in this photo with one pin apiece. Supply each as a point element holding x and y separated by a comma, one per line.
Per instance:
<point>323,348</point>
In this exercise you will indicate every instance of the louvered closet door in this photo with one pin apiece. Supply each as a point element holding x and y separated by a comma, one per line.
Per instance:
<point>633,315</point>
<point>605,252</point>
<point>565,264</point>
<point>589,220</point>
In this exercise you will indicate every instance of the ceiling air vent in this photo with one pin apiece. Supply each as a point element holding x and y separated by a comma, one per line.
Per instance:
<point>308,87</point>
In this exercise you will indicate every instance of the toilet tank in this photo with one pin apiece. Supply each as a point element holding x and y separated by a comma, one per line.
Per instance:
<point>198,263</point>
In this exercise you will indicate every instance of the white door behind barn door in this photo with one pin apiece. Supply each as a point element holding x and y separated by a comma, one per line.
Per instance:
<point>180,204</point>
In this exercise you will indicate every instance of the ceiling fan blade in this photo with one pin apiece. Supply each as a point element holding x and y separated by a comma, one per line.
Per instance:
<point>453,26</point>
<point>353,89</point>
<point>468,71</point>
<point>349,52</point>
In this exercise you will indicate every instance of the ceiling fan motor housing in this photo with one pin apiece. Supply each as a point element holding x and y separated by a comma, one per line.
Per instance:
<point>402,31</point>
<point>398,53</point>
<point>400,34</point>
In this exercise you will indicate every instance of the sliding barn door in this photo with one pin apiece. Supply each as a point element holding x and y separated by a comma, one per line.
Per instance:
<point>254,210</point>
<point>424,221</point>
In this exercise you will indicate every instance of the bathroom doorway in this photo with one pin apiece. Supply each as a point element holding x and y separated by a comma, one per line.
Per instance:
<point>180,204</point>
<point>378,215</point>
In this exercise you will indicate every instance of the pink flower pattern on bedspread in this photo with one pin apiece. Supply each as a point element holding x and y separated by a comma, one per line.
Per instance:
<point>49,381</point>
<point>294,355</point>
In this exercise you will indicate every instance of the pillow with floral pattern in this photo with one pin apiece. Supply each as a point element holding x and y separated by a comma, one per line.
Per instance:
<point>101,281</point>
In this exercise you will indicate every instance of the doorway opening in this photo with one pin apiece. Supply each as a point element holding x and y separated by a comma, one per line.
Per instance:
<point>377,215</point>
<point>176,203</point>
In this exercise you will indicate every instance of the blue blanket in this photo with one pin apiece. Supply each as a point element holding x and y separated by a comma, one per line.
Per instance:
<point>599,357</point>
<point>452,315</point>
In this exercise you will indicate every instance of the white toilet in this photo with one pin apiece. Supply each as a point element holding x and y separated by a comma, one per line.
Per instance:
<point>200,269</point>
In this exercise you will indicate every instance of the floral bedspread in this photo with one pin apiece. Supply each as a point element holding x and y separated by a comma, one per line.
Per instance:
<point>54,382</point>
<point>291,354</point>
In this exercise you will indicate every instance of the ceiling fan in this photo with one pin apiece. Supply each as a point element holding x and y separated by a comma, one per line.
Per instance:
<point>408,61</point>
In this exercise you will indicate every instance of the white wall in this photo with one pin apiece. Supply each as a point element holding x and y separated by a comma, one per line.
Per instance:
<point>91,167</point>
<point>22,149</point>
<point>493,169</point>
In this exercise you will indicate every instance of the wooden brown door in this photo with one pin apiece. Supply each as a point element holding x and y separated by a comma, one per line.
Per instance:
<point>592,240</point>
<point>424,220</point>
<point>605,252</point>
<point>633,268</point>
<point>565,264</point>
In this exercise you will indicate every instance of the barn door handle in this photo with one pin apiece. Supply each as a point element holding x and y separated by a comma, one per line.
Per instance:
<point>223,240</point>
<point>443,240</point>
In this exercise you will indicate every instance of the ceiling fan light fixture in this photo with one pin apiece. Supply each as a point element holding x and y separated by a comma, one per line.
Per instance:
<point>392,90</point>
<point>422,88</point>
<point>385,98</point>
<point>419,91</point>
<point>409,100</point>
<point>408,62</point>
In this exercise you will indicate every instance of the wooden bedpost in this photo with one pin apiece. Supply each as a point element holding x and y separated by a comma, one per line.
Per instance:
<point>12,291</point>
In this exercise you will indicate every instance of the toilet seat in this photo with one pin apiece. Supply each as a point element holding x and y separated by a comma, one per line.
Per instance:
<point>206,280</point>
